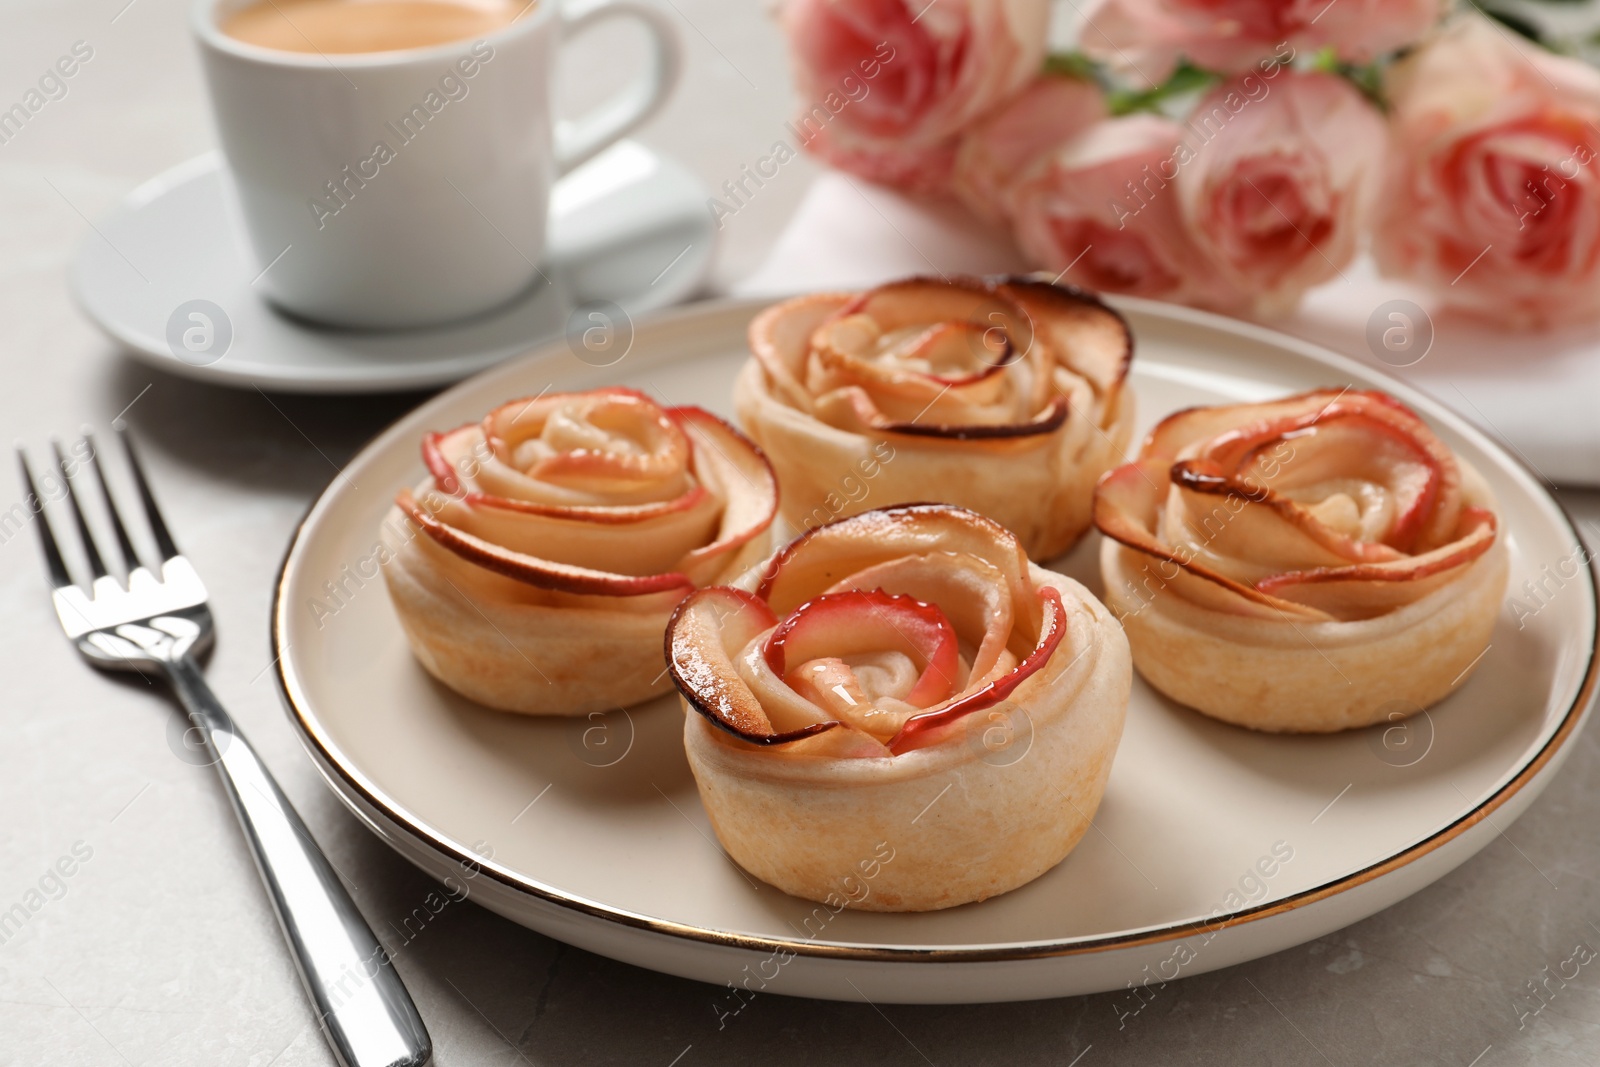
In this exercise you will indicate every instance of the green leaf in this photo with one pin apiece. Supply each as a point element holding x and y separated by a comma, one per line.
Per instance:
<point>1186,79</point>
<point>1368,78</point>
<point>1512,21</point>
<point>1073,65</point>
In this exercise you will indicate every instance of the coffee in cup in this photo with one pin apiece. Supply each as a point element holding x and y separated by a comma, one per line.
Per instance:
<point>346,26</point>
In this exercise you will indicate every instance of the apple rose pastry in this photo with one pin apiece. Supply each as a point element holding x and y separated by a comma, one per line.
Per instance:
<point>1004,396</point>
<point>1309,564</point>
<point>557,536</point>
<point>899,711</point>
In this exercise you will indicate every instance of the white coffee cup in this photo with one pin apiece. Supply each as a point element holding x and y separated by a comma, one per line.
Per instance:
<point>398,189</point>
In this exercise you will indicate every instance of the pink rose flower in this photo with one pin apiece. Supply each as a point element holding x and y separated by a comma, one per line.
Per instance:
<point>1144,38</point>
<point>1102,210</point>
<point>886,85</point>
<point>922,170</point>
<point>1281,185</point>
<point>998,150</point>
<point>1493,191</point>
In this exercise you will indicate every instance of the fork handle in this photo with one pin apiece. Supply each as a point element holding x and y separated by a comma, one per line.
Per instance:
<point>360,1000</point>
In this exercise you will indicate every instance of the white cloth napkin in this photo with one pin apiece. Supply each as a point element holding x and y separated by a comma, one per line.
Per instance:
<point>1538,393</point>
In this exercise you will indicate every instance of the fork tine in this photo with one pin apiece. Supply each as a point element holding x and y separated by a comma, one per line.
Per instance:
<point>47,538</point>
<point>158,526</point>
<point>97,566</point>
<point>130,556</point>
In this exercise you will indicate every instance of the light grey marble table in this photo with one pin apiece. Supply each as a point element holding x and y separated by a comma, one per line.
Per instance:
<point>160,948</point>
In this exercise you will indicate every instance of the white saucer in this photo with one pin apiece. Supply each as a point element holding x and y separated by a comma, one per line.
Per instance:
<point>629,228</point>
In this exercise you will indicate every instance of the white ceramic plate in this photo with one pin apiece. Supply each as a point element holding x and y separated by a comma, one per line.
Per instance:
<point>594,833</point>
<point>629,228</point>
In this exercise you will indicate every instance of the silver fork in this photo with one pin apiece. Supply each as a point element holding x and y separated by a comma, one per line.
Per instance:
<point>159,622</point>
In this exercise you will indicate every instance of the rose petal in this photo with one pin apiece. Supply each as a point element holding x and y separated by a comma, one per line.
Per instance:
<point>545,574</point>
<point>706,631</point>
<point>820,556</point>
<point>1370,589</point>
<point>1126,508</point>
<point>919,728</point>
<point>836,624</point>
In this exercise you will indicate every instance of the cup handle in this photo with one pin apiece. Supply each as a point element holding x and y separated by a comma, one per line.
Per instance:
<point>580,139</point>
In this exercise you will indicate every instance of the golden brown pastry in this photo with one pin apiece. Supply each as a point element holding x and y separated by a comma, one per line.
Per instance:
<point>1309,564</point>
<point>899,711</point>
<point>534,570</point>
<point>1004,396</point>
